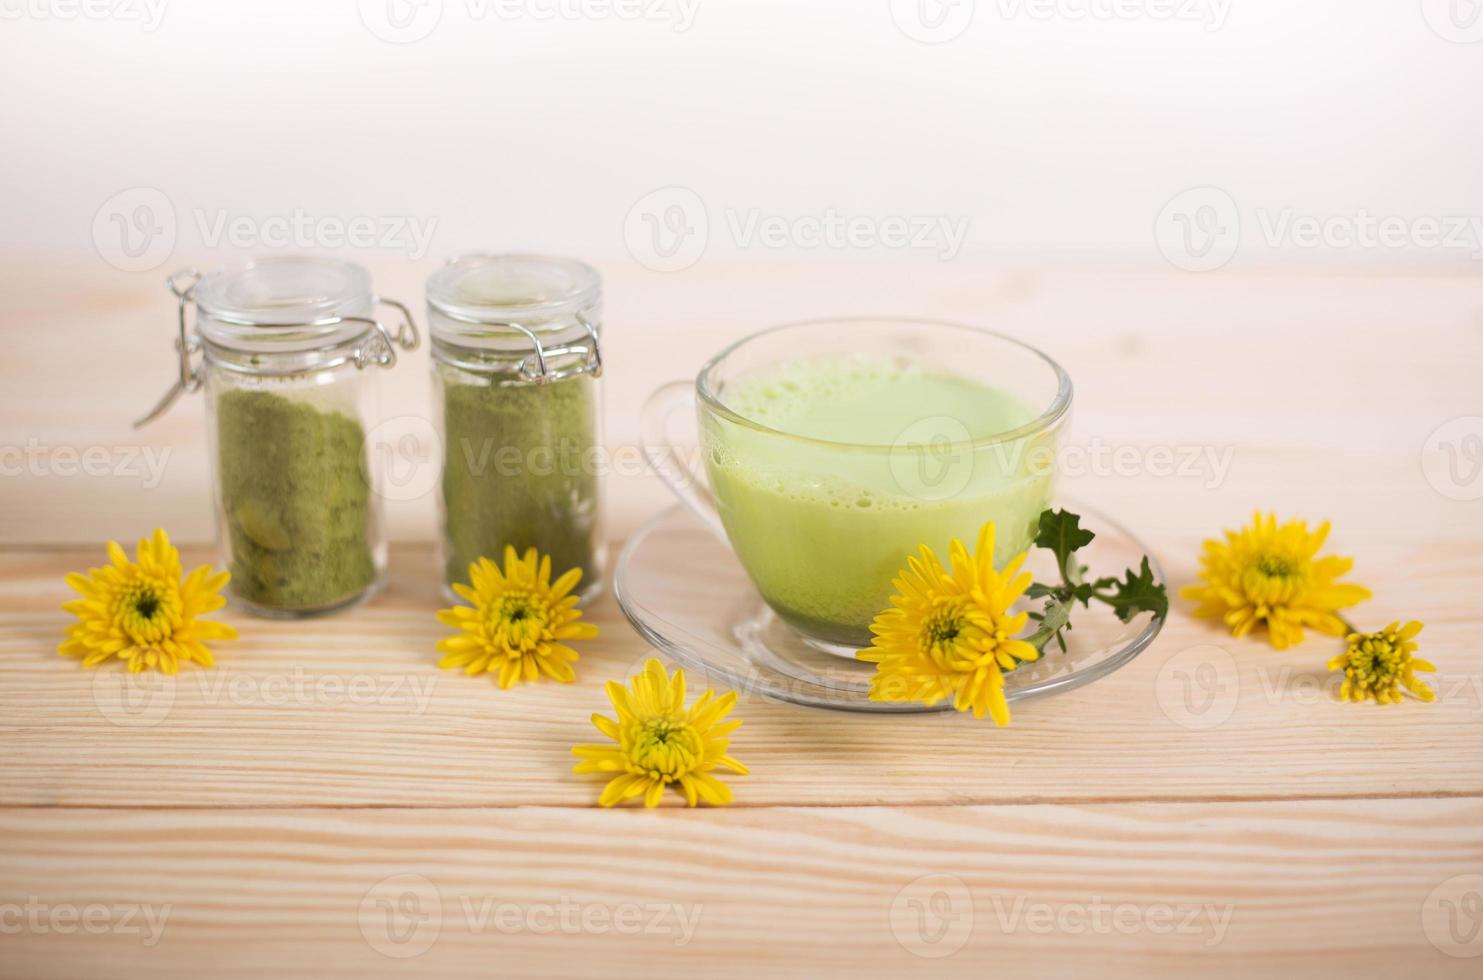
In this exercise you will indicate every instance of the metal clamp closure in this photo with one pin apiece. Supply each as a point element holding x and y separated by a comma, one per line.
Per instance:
<point>186,344</point>
<point>537,367</point>
<point>380,348</point>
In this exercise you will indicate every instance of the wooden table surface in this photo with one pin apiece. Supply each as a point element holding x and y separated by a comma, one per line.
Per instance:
<point>326,802</point>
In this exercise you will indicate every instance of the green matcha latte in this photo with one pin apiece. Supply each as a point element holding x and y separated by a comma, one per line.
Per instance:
<point>835,469</point>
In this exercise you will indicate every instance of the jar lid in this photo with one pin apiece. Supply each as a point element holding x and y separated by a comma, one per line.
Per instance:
<point>290,302</point>
<point>291,314</point>
<point>546,307</point>
<point>542,293</point>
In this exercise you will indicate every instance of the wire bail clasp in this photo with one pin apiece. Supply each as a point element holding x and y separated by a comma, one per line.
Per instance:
<point>379,349</point>
<point>183,285</point>
<point>537,367</point>
<point>382,348</point>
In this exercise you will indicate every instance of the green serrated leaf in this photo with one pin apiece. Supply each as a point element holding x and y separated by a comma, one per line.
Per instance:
<point>1083,593</point>
<point>1138,592</point>
<point>1061,533</point>
<point>1055,618</point>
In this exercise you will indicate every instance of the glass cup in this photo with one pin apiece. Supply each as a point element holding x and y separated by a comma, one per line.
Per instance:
<point>948,427</point>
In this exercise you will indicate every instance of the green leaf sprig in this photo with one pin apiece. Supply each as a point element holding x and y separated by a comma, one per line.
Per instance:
<point>1061,533</point>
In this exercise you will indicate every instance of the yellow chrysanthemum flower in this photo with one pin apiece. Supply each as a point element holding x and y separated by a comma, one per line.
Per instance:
<point>516,622</point>
<point>142,612</point>
<point>660,743</point>
<point>950,632</point>
<point>1270,575</point>
<point>1378,665</point>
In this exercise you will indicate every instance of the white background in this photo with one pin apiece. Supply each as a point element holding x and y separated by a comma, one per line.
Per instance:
<point>1055,130</point>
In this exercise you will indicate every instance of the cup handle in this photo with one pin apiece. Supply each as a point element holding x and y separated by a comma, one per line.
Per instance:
<point>665,458</point>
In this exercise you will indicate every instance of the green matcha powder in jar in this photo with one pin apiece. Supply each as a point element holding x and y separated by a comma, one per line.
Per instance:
<point>287,351</point>
<point>516,362</point>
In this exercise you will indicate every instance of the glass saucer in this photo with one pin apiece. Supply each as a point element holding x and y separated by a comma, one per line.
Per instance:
<point>686,593</point>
